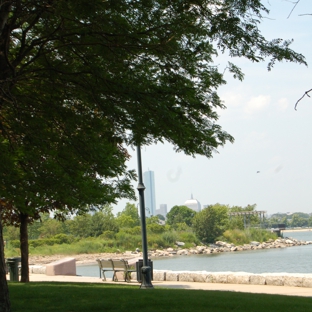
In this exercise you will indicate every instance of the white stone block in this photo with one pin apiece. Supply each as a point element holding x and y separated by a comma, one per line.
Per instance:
<point>37,269</point>
<point>218,277</point>
<point>274,279</point>
<point>256,279</point>
<point>172,276</point>
<point>307,281</point>
<point>159,275</point>
<point>238,278</point>
<point>293,280</point>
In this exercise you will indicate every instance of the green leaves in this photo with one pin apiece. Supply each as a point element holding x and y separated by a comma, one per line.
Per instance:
<point>211,222</point>
<point>78,83</point>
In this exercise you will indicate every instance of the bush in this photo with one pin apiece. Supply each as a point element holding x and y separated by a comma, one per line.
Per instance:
<point>169,238</point>
<point>64,239</point>
<point>155,228</point>
<point>240,237</point>
<point>107,234</point>
<point>188,237</point>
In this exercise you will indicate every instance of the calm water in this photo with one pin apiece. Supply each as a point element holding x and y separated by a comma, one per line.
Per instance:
<point>291,260</point>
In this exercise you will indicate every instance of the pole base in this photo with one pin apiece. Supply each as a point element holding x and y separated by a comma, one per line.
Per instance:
<point>146,278</point>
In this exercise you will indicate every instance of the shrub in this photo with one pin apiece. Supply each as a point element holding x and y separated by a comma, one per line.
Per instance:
<point>239,237</point>
<point>155,228</point>
<point>64,239</point>
<point>188,237</point>
<point>169,238</point>
<point>107,234</point>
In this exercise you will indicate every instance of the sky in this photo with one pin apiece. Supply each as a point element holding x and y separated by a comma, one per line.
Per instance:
<point>269,164</point>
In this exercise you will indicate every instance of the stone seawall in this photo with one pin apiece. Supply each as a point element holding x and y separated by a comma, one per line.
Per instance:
<point>276,279</point>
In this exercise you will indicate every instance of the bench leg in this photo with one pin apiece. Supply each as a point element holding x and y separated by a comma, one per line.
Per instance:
<point>115,279</point>
<point>104,277</point>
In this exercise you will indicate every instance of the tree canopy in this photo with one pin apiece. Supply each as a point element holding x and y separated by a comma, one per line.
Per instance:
<point>79,81</point>
<point>211,222</point>
<point>180,214</point>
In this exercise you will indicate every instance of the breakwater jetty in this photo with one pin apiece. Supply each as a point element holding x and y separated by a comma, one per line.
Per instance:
<point>220,246</point>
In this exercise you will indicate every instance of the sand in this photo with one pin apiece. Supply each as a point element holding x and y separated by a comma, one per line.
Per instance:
<point>81,258</point>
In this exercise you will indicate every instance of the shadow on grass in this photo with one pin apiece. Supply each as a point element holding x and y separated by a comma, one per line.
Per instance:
<point>83,297</point>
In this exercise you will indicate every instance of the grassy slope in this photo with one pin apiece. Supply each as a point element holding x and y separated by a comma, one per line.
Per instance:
<point>80,297</point>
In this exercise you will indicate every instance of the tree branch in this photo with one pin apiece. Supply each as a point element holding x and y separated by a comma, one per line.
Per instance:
<point>305,94</point>
<point>293,8</point>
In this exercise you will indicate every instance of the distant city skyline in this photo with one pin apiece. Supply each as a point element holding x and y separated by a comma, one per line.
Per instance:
<point>162,210</point>
<point>149,193</point>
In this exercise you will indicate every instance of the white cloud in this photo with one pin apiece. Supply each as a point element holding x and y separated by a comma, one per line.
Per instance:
<point>282,104</point>
<point>257,104</point>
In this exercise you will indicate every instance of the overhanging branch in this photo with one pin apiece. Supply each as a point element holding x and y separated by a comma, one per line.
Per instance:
<point>305,94</point>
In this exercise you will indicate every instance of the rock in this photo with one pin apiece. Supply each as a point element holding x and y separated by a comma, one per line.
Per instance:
<point>293,280</point>
<point>217,277</point>
<point>37,269</point>
<point>172,276</point>
<point>254,243</point>
<point>257,279</point>
<point>274,279</point>
<point>159,275</point>
<point>307,280</point>
<point>239,278</point>
<point>180,243</point>
<point>192,277</point>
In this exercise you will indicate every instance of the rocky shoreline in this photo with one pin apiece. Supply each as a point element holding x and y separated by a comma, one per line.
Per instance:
<point>218,247</point>
<point>38,264</point>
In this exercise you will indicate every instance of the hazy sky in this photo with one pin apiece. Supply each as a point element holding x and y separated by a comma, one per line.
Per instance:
<point>270,136</point>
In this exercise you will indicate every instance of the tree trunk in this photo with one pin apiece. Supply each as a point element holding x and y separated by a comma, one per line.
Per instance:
<point>5,305</point>
<point>24,247</point>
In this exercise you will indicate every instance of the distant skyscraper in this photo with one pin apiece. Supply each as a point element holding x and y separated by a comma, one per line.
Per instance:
<point>193,204</point>
<point>162,210</point>
<point>150,199</point>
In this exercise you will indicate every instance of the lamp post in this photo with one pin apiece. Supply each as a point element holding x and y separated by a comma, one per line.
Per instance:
<point>146,269</point>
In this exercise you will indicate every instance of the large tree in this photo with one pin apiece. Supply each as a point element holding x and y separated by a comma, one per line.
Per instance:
<point>211,222</point>
<point>80,79</point>
<point>180,214</point>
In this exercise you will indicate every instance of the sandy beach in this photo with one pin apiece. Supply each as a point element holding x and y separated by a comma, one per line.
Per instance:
<point>82,258</point>
<point>296,230</point>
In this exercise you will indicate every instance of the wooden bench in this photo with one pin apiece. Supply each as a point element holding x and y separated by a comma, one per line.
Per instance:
<point>115,266</point>
<point>122,266</point>
<point>105,265</point>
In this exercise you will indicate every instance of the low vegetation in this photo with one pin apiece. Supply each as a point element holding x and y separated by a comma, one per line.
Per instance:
<point>103,232</point>
<point>81,297</point>
<point>240,237</point>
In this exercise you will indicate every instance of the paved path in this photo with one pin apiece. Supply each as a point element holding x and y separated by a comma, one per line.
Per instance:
<point>264,289</point>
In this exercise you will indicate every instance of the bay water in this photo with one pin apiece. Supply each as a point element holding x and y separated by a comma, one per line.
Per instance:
<point>296,259</point>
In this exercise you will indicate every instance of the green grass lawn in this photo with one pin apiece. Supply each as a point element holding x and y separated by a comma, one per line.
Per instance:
<point>76,297</point>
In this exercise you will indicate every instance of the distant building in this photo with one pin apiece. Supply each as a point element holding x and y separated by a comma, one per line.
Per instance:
<point>149,194</point>
<point>193,204</point>
<point>162,210</point>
